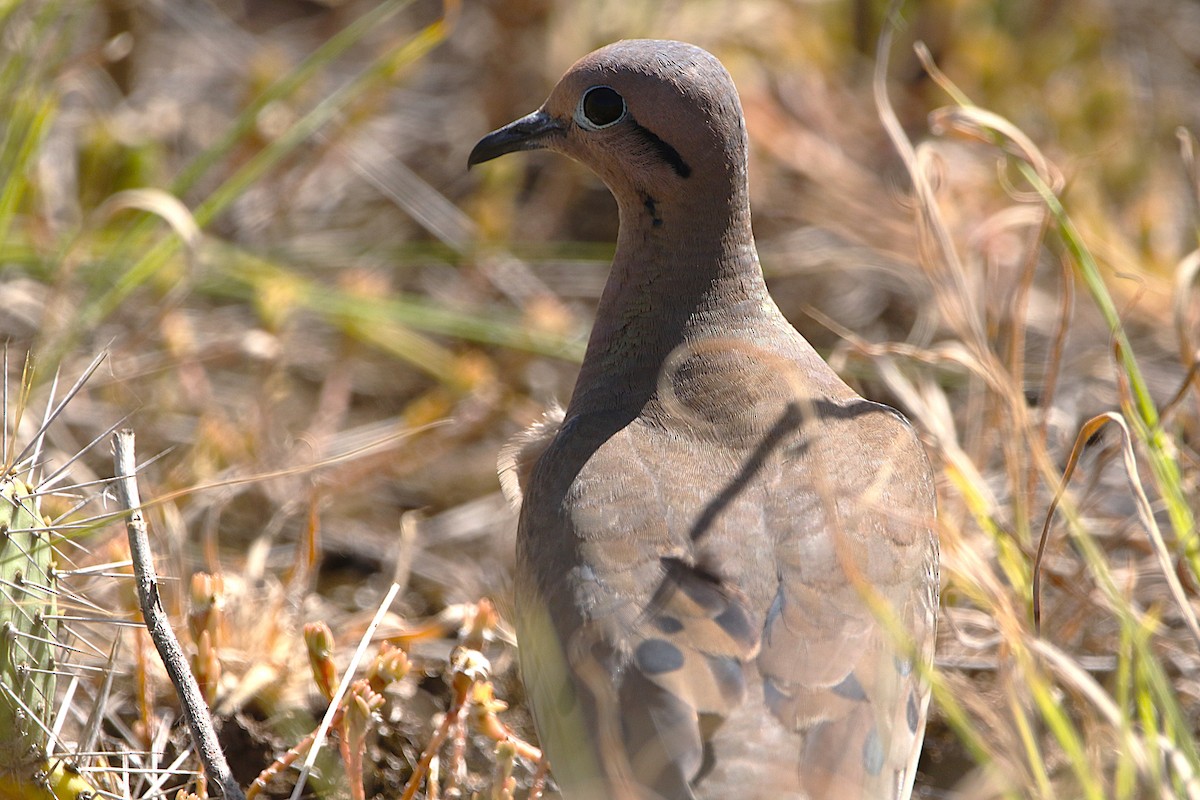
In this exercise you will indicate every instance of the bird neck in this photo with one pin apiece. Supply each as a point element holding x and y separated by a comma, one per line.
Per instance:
<point>682,272</point>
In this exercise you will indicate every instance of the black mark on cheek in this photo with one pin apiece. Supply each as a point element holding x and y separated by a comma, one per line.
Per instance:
<point>652,209</point>
<point>665,151</point>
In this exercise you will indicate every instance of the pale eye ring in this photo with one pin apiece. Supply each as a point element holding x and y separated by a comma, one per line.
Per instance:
<point>600,107</point>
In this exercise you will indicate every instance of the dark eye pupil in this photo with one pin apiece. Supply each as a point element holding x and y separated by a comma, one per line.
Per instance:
<point>603,106</point>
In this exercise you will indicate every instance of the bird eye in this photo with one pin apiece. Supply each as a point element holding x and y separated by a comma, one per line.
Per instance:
<point>600,107</point>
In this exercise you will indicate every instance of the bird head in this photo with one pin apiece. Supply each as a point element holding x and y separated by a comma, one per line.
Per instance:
<point>642,114</point>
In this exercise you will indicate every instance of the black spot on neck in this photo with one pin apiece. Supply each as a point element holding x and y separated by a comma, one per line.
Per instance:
<point>665,151</point>
<point>652,209</point>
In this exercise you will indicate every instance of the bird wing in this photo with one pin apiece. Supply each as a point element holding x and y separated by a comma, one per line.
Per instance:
<point>856,604</point>
<point>740,584</point>
<point>832,658</point>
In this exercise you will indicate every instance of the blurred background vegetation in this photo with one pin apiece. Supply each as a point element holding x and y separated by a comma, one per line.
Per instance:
<point>326,327</point>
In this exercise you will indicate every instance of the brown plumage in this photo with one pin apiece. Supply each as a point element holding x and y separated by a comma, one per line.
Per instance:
<point>726,557</point>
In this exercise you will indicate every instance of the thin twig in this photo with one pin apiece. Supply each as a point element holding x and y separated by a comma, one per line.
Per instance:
<point>457,711</point>
<point>195,711</point>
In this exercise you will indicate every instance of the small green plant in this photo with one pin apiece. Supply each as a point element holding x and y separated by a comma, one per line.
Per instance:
<point>28,650</point>
<point>26,631</point>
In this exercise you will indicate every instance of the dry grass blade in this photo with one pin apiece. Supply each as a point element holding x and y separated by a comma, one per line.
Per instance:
<point>1145,514</point>
<point>161,204</point>
<point>1185,280</point>
<point>1083,683</point>
<point>955,302</point>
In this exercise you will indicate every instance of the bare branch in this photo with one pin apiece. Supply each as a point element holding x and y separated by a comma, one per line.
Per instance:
<point>195,711</point>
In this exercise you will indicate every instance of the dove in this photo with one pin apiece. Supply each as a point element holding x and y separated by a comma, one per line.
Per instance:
<point>727,562</point>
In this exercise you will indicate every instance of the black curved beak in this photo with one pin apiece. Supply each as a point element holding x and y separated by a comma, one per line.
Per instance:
<point>527,133</point>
